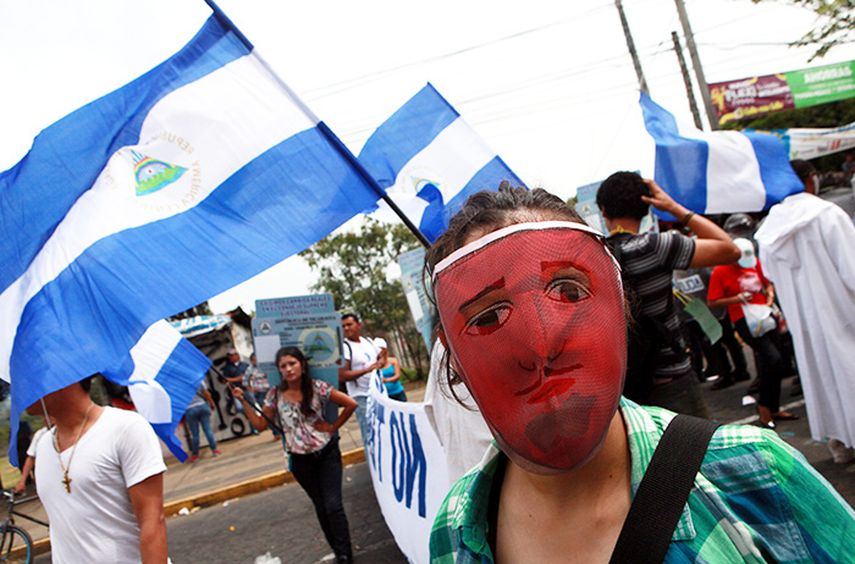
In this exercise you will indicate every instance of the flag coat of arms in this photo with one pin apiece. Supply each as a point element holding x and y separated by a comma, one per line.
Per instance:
<point>430,161</point>
<point>194,177</point>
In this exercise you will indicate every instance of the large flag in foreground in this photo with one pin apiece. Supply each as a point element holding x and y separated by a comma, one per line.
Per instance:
<point>194,177</point>
<point>429,161</point>
<point>720,171</point>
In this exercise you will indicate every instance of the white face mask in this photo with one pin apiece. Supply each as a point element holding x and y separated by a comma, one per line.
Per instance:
<point>748,258</point>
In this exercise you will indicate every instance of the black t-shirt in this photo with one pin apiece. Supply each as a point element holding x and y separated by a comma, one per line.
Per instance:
<point>648,262</point>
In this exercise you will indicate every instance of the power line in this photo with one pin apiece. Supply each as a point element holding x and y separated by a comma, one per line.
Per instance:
<point>342,85</point>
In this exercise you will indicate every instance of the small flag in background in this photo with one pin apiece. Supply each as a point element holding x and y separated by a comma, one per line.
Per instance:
<point>720,171</point>
<point>196,176</point>
<point>162,372</point>
<point>429,161</point>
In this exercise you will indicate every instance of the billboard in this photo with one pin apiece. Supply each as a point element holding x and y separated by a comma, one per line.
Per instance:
<point>759,95</point>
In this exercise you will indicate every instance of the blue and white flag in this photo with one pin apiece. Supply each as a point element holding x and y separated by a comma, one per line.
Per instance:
<point>162,372</point>
<point>720,171</point>
<point>196,176</point>
<point>429,161</point>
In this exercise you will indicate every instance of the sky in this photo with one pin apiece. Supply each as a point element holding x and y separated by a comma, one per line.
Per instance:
<point>549,85</point>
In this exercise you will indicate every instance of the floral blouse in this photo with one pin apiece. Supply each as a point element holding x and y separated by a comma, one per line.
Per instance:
<point>301,437</point>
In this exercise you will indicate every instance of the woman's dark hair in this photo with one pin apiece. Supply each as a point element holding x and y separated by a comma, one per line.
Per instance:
<point>350,315</point>
<point>488,211</point>
<point>305,380</point>
<point>485,212</point>
<point>620,196</point>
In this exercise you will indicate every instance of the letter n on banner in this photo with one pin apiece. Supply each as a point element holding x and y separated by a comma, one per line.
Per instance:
<point>408,471</point>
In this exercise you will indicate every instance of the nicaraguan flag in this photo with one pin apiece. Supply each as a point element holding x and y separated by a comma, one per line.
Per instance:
<point>196,176</point>
<point>162,372</point>
<point>720,171</point>
<point>429,161</point>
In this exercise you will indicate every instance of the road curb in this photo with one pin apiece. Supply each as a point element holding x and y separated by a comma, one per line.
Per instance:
<point>206,499</point>
<point>251,486</point>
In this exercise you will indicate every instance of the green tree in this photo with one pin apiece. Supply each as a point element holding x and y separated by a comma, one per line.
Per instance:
<point>835,24</point>
<point>353,267</point>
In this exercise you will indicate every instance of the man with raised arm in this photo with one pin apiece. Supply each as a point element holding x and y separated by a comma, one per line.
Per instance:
<point>659,370</point>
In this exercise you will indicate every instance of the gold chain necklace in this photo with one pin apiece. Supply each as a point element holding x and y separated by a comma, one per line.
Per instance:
<point>66,481</point>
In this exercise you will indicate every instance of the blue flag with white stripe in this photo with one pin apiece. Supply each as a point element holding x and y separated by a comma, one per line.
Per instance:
<point>719,171</point>
<point>162,371</point>
<point>430,161</point>
<point>194,177</point>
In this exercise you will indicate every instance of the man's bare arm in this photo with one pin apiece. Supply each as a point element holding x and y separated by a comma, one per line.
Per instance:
<point>347,374</point>
<point>147,500</point>
<point>713,245</point>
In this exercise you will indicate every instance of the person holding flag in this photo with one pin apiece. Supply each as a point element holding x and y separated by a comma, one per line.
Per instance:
<point>298,405</point>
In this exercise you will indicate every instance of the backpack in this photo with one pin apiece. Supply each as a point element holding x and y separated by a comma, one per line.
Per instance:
<point>646,335</point>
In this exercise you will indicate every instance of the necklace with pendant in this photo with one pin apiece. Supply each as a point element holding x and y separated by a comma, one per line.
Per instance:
<point>66,480</point>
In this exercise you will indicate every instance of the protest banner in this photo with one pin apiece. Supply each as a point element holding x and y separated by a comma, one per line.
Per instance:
<point>408,471</point>
<point>810,143</point>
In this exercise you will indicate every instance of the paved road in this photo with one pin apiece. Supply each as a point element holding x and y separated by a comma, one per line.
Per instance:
<point>283,522</point>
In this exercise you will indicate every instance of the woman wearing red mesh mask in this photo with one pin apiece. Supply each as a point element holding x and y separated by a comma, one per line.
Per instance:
<point>531,308</point>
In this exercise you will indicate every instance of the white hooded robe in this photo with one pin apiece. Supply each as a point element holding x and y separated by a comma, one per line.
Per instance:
<point>807,246</point>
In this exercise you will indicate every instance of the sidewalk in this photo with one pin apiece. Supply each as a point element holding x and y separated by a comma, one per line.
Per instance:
<point>247,465</point>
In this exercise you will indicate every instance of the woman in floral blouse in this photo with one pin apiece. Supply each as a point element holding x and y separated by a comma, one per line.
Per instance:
<point>298,405</point>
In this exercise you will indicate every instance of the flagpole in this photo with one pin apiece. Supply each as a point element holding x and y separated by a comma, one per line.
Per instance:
<point>327,132</point>
<point>342,148</point>
<point>228,24</point>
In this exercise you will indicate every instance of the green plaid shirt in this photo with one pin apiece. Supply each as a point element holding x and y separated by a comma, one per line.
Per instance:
<point>755,499</point>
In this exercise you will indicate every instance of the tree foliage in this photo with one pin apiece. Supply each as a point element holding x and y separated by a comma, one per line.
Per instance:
<point>835,24</point>
<point>353,267</point>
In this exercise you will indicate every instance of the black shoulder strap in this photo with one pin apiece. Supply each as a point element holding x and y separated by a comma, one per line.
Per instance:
<point>663,492</point>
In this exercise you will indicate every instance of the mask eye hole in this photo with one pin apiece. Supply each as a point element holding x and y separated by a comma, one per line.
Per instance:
<point>489,320</point>
<point>567,290</point>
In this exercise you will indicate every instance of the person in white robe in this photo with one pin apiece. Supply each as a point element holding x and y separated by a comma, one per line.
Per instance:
<point>807,246</point>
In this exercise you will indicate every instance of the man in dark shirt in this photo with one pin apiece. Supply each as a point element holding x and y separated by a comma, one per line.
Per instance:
<point>648,262</point>
<point>233,373</point>
<point>234,370</point>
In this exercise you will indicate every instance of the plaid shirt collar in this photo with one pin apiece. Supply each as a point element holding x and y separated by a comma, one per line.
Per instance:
<point>644,429</point>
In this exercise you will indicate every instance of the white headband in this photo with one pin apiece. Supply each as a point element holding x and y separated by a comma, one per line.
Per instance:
<point>510,230</point>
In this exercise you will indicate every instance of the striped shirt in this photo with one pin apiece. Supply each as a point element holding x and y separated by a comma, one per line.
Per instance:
<point>648,262</point>
<point>755,499</point>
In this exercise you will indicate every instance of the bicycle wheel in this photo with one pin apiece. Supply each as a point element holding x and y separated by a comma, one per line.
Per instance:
<point>16,546</point>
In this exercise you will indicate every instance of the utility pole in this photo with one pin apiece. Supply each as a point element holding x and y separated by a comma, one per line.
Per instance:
<point>712,116</point>
<point>687,80</point>
<point>642,84</point>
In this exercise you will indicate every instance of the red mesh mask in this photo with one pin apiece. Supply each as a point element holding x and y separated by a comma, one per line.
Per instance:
<point>533,315</point>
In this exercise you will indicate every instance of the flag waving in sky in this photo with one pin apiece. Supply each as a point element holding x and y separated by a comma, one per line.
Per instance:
<point>194,177</point>
<point>719,171</point>
<point>429,161</point>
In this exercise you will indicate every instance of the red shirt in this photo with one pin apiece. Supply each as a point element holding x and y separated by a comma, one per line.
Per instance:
<point>731,280</point>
